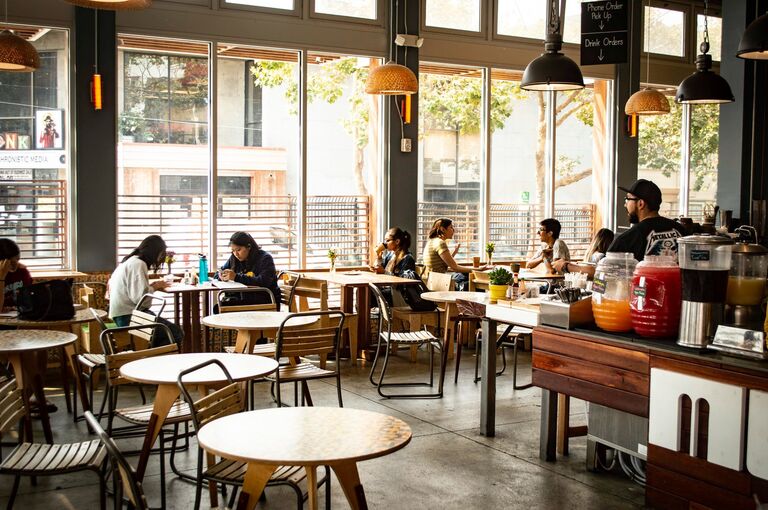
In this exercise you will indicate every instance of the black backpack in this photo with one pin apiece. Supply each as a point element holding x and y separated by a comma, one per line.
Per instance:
<point>46,301</point>
<point>412,295</point>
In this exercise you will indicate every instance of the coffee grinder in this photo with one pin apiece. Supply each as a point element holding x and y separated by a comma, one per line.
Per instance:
<point>746,281</point>
<point>705,261</point>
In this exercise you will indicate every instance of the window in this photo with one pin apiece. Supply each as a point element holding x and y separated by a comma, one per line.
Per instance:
<point>34,149</point>
<point>450,174</point>
<point>715,25</point>
<point>527,18</point>
<point>705,139</point>
<point>343,159</point>
<point>270,4</point>
<point>664,31</point>
<point>453,14</point>
<point>351,8</point>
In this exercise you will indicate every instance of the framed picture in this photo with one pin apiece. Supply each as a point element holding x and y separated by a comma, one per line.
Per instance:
<point>49,129</point>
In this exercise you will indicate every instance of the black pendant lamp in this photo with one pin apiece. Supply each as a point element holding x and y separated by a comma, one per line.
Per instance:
<point>704,86</point>
<point>553,70</point>
<point>754,42</point>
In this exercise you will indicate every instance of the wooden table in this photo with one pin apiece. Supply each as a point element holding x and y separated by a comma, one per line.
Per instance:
<point>188,315</point>
<point>82,316</point>
<point>164,371</point>
<point>449,297</point>
<point>308,437</point>
<point>520,314</point>
<point>354,284</point>
<point>40,275</point>
<point>253,324</point>
<point>21,347</point>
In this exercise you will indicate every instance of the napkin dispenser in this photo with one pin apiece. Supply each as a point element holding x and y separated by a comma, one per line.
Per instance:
<point>567,315</point>
<point>740,342</point>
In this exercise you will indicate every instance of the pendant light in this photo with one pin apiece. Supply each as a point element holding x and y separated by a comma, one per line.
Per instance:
<point>113,5</point>
<point>647,101</point>
<point>553,70</point>
<point>16,53</point>
<point>393,79</point>
<point>754,42</point>
<point>704,86</point>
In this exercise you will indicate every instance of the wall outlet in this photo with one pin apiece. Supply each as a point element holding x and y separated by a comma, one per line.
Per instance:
<point>405,145</point>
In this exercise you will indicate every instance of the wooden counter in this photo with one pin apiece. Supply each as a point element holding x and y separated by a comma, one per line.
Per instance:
<point>616,371</point>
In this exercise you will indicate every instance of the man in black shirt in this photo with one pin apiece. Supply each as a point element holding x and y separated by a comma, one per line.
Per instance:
<point>650,234</point>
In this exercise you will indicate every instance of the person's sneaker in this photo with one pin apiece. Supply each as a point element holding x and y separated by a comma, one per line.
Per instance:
<point>49,406</point>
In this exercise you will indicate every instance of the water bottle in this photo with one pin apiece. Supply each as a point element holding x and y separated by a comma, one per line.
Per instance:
<point>203,270</point>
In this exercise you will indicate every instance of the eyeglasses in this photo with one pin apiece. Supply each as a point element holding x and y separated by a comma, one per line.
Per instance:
<point>630,199</point>
<point>542,229</point>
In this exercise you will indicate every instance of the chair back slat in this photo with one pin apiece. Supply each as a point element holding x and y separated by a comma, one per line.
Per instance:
<point>321,340</point>
<point>12,408</point>
<point>312,289</point>
<point>222,402</point>
<point>439,282</point>
<point>225,308</point>
<point>139,318</point>
<point>290,280</point>
<point>147,301</point>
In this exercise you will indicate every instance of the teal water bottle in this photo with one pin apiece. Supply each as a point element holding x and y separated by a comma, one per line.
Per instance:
<point>203,270</point>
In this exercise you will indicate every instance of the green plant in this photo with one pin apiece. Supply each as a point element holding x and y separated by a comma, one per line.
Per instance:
<point>500,276</point>
<point>490,248</point>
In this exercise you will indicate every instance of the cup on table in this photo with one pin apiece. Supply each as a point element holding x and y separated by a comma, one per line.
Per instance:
<point>475,261</point>
<point>515,267</point>
<point>168,279</point>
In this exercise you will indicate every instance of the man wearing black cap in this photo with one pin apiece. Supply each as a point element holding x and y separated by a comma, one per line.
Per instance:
<point>650,234</point>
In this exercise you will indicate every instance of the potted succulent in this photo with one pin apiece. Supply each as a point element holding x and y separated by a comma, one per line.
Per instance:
<point>498,279</point>
<point>489,249</point>
<point>332,258</point>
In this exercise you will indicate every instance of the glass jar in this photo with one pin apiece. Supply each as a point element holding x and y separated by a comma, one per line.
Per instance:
<point>656,297</point>
<point>611,292</point>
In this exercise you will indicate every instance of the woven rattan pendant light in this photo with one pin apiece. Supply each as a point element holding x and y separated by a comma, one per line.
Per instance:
<point>112,5</point>
<point>647,101</point>
<point>16,53</point>
<point>393,79</point>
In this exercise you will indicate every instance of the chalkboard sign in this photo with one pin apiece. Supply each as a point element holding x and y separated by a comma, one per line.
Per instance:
<point>604,36</point>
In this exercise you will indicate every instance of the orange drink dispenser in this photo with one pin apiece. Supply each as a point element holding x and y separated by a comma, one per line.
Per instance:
<point>611,292</point>
<point>746,281</point>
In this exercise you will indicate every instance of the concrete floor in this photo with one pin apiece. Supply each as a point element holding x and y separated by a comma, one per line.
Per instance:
<point>447,465</point>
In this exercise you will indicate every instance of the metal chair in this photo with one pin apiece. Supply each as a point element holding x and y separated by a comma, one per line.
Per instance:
<point>417,338</point>
<point>321,339</point>
<point>223,402</point>
<point>129,482</point>
<point>511,337</point>
<point>42,459</point>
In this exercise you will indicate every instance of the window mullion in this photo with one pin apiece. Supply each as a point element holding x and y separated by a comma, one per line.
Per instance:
<point>301,209</point>
<point>485,192</point>
<point>551,155</point>
<point>685,161</point>
<point>213,179</point>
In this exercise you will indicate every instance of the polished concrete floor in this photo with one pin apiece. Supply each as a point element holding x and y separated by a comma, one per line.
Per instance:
<point>447,465</point>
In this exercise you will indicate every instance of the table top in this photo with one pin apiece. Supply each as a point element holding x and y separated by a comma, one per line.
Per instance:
<point>165,369</point>
<point>179,288</point>
<point>450,296</point>
<point>358,278</point>
<point>304,435</point>
<point>254,320</point>
<point>533,275</point>
<point>83,315</point>
<point>45,274</point>
<point>23,340</point>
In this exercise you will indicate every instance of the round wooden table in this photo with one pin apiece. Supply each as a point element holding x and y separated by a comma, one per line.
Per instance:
<point>251,326</point>
<point>81,316</point>
<point>308,437</point>
<point>20,347</point>
<point>164,371</point>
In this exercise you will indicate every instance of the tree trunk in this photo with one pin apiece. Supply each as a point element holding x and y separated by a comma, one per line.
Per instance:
<point>541,147</point>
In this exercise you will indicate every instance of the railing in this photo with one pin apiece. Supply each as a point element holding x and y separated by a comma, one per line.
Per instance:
<point>338,222</point>
<point>34,214</point>
<point>512,226</point>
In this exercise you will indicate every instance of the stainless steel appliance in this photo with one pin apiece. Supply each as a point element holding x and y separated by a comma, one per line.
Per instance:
<point>747,281</point>
<point>705,261</point>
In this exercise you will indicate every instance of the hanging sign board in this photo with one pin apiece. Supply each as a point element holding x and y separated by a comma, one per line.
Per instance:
<point>604,36</point>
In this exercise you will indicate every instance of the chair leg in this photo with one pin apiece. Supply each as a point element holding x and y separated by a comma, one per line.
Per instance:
<point>514,370</point>
<point>457,326</point>
<point>338,390</point>
<point>102,490</point>
<point>375,360</point>
<point>199,484</point>
<point>14,490</point>
<point>431,364</point>
<point>477,358</point>
<point>306,396</point>
<point>65,378</point>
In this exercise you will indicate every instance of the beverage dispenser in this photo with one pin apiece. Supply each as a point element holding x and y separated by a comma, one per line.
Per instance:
<point>705,261</point>
<point>746,281</point>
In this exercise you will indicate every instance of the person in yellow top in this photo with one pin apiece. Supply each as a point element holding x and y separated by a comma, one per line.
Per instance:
<point>438,258</point>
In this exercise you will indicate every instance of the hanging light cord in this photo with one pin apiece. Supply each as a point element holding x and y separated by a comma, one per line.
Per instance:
<point>96,42</point>
<point>705,44</point>
<point>647,48</point>
<point>397,29</point>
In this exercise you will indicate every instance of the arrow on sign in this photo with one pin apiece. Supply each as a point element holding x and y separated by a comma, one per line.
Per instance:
<point>601,25</point>
<point>600,57</point>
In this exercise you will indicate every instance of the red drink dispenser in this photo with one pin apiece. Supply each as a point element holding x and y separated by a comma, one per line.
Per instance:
<point>656,297</point>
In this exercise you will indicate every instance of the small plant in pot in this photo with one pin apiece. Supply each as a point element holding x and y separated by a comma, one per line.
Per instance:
<point>498,280</point>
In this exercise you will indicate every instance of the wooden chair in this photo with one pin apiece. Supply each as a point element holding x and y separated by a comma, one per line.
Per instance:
<point>416,338</point>
<point>294,343</point>
<point>42,459</point>
<point>130,486</point>
<point>224,402</point>
<point>478,280</point>
<point>290,280</point>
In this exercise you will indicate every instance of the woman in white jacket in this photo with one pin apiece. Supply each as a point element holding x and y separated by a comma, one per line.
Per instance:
<point>130,280</point>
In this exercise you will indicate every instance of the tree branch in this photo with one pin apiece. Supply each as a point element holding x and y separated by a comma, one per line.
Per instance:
<point>573,178</point>
<point>569,100</point>
<point>563,117</point>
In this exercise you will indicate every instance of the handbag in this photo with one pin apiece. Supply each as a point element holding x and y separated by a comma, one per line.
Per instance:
<point>46,301</point>
<point>412,295</point>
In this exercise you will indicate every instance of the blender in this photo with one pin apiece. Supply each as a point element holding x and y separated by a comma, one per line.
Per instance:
<point>746,281</point>
<point>705,263</point>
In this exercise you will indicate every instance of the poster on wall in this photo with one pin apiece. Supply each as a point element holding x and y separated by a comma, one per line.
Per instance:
<point>49,129</point>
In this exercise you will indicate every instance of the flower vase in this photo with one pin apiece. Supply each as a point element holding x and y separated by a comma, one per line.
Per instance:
<point>489,258</point>
<point>333,265</point>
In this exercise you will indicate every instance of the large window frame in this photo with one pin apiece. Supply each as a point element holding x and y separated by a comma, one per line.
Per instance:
<point>687,17</point>
<point>481,33</point>
<point>379,20</point>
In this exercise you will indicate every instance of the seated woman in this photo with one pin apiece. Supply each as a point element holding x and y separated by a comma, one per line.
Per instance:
<point>438,258</point>
<point>397,261</point>
<point>252,266</point>
<point>130,281</point>
<point>13,275</point>
<point>552,247</point>
<point>596,251</point>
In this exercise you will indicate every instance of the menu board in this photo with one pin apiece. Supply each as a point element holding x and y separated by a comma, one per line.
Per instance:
<point>604,35</point>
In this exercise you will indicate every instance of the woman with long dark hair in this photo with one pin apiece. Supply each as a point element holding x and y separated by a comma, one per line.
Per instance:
<point>13,275</point>
<point>252,266</point>
<point>438,258</point>
<point>130,281</point>
<point>397,260</point>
